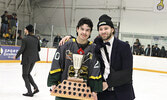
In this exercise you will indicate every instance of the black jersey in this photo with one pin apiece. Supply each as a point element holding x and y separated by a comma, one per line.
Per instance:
<point>62,65</point>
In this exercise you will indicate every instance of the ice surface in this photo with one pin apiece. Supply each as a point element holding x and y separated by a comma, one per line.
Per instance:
<point>147,85</point>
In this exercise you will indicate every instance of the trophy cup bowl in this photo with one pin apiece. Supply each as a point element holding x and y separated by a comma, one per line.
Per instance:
<point>77,62</point>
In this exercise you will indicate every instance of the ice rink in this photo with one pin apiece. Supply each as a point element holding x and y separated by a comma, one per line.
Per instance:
<point>147,85</point>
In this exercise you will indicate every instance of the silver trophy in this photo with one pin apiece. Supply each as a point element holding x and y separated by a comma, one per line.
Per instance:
<point>71,88</point>
<point>77,62</point>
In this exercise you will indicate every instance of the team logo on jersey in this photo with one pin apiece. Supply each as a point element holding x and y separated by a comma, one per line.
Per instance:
<point>102,23</point>
<point>80,51</point>
<point>69,55</point>
<point>88,57</point>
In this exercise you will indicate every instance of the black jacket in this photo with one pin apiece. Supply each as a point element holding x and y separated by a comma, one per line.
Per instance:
<point>4,19</point>
<point>147,53</point>
<point>29,49</point>
<point>120,76</point>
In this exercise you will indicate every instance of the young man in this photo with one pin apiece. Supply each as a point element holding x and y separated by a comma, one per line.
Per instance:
<point>30,54</point>
<point>116,62</point>
<point>62,62</point>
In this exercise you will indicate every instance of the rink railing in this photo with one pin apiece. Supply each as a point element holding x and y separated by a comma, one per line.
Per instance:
<point>142,63</point>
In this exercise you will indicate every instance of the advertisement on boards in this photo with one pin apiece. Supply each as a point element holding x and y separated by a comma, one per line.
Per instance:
<point>8,52</point>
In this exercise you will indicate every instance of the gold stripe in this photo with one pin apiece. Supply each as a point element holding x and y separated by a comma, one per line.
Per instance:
<point>97,77</point>
<point>150,70</point>
<point>73,39</point>
<point>44,62</point>
<point>55,71</point>
<point>90,42</point>
<point>18,61</point>
<point>10,61</point>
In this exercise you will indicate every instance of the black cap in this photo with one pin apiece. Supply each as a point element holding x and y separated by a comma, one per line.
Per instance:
<point>105,20</point>
<point>29,28</point>
<point>6,12</point>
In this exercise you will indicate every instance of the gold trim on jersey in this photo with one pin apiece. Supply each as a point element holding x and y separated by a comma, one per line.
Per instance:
<point>73,39</point>
<point>90,42</point>
<point>55,71</point>
<point>97,77</point>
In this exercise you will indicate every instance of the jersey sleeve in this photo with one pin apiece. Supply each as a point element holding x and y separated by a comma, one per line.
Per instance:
<point>95,77</point>
<point>56,67</point>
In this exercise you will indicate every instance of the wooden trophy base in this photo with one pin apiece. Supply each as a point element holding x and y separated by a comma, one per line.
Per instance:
<point>73,88</point>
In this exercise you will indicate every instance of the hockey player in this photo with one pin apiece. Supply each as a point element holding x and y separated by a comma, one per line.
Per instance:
<point>62,64</point>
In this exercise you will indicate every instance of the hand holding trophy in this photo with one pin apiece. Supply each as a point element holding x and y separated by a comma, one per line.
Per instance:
<point>74,87</point>
<point>75,70</point>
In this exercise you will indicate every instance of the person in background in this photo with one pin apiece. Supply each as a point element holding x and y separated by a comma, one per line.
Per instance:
<point>62,64</point>
<point>141,50</point>
<point>30,54</point>
<point>152,50</point>
<point>138,42</point>
<point>4,27</point>
<point>127,42</point>
<point>56,41</point>
<point>136,49</point>
<point>147,50</point>
<point>40,41</point>
<point>13,22</point>
<point>156,50</point>
<point>44,42</point>
<point>162,52</point>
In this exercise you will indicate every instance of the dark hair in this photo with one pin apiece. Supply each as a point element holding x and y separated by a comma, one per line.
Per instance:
<point>87,21</point>
<point>5,12</point>
<point>14,14</point>
<point>30,28</point>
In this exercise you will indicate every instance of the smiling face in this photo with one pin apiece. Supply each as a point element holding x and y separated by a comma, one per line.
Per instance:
<point>84,32</point>
<point>106,32</point>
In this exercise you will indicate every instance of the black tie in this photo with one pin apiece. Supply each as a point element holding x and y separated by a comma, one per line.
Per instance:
<point>107,43</point>
<point>106,53</point>
<point>105,50</point>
